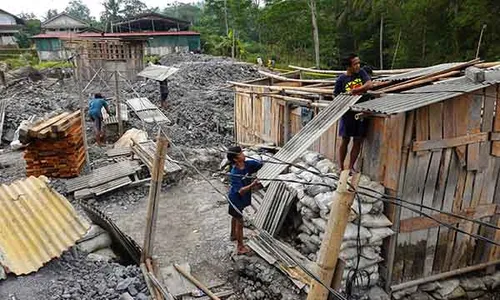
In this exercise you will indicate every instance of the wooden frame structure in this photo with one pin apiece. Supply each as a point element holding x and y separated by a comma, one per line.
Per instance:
<point>444,155</point>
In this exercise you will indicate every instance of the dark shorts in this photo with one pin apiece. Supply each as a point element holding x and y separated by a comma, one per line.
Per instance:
<point>97,122</point>
<point>163,97</point>
<point>240,205</point>
<point>350,127</point>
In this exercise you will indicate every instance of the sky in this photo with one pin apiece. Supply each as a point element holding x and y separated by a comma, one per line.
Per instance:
<point>39,7</point>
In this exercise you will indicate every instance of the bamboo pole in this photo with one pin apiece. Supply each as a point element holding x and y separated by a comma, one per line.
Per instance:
<point>196,282</point>
<point>154,195</point>
<point>339,72</point>
<point>284,88</point>
<point>283,78</point>
<point>118,106</point>
<point>330,247</point>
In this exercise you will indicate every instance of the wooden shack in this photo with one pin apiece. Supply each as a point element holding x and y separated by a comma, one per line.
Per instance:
<point>434,143</point>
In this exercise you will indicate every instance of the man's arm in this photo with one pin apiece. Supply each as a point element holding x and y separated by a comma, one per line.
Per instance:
<point>247,188</point>
<point>368,84</point>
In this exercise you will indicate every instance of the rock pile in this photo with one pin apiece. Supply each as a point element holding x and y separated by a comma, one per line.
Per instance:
<point>200,101</point>
<point>367,226</point>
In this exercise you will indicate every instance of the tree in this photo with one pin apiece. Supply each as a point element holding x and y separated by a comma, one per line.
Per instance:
<point>133,7</point>
<point>78,9</point>
<point>184,11</point>
<point>32,27</point>
<point>312,5</point>
<point>112,13</point>
<point>50,14</point>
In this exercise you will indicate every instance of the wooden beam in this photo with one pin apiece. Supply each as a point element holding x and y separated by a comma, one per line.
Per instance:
<point>154,195</point>
<point>330,247</point>
<point>420,223</point>
<point>284,88</point>
<point>450,142</point>
<point>283,78</point>
<point>338,72</point>
<point>442,276</point>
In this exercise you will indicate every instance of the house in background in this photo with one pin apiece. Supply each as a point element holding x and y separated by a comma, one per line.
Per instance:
<point>163,35</point>
<point>9,26</point>
<point>64,23</point>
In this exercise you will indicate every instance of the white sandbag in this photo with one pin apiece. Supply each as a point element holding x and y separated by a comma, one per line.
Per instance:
<point>372,196</point>
<point>312,256</point>
<point>375,221</point>
<point>308,213</point>
<point>303,228</point>
<point>310,225</point>
<point>300,192</point>
<point>363,262</point>
<point>369,252</point>
<point>309,202</point>
<point>377,207</point>
<point>315,240</point>
<point>352,243</point>
<point>348,253</point>
<point>370,270</point>
<point>299,206</point>
<point>306,176</point>
<point>378,234</point>
<point>308,248</point>
<point>351,232</point>
<point>311,158</point>
<point>135,134</point>
<point>332,183</point>
<point>320,224</point>
<point>291,185</point>
<point>364,180</point>
<point>321,235</point>
<point>324,200</point>
<point>317,188</point>
<point>326,166</point>
<point>365,207</point>
<point>324,214</point>
<point>101,241</point>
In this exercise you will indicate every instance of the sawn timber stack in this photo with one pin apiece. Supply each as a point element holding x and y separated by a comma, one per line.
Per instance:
<point>56,147</point>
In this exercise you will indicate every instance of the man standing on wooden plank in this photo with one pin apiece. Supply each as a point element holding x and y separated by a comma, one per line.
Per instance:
<point>95,107</point>
<point>355,81</point>
<point>240,192</point>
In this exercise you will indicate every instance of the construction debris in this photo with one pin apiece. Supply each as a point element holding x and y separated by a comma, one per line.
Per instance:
<point>45,218</point>
<point>146,152</point>
<point>55,147</point>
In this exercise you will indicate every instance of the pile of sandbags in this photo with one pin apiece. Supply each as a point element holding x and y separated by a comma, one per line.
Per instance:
<point>314,208</point>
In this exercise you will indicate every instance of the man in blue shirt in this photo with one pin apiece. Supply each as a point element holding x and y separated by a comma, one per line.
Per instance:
<point>240,192</point>
<point>95,106</point>
<point>356,82</point>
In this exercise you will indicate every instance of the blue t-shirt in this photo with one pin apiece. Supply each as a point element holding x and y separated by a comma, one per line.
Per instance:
<point>95,107</point>
<point>237,182</point>
<point>345,82</point>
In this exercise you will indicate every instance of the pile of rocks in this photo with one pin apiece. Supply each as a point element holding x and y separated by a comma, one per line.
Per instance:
<point>472,287</point>
<point>367,226</point>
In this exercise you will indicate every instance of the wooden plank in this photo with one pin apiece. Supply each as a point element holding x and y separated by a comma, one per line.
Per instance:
<point>396,128</point>
<point>417,238</point>
<point>460,114</point>
<point>451,142</point>
<point>397,241</point>
<point>474,127</point>
<point>177,284</point>
<point>431,195</point>
<point>33,132</point>
<point>420,223</point>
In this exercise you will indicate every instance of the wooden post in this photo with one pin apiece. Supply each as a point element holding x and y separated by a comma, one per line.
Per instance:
<point>118,106</point>
<point>81,99</point>
<point>330,247</point>
<point>286,125</point>
<point>154,195</point>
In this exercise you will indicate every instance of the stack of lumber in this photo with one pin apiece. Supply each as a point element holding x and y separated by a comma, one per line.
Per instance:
<point>55,146</point>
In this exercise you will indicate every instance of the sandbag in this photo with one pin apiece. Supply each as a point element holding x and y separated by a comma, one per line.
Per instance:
<point>372,196</point>
<point>311,158</point>
<point>363,262</point>
<point>306,176</point>
<point>375,221</point>
<point>330,181</point>
<point>369,252</point>
<point>316,189</point>
<point>308,213</point>
<point>378,234</point>
<point>324,214</point>
<point>348,253</point>
<point>320,224</point>
<point>370,270</point>
<point>351,232</point>
<point>326,166</point>
<point>365,207</point>
<point>377,207</point>
<point>352,243</point>
<point>101,241</point>
<point>315,240</point>
<point>311,226</point>
<point>324,200</point>
<point>309,202</point>
<point>303,228</point>
<point>299,206</point>
<point>132,134</point>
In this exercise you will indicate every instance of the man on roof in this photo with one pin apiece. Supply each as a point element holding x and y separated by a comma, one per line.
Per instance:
<point>355,81</point>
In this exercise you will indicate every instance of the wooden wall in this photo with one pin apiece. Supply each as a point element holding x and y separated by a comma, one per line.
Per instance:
<point>450,165</point>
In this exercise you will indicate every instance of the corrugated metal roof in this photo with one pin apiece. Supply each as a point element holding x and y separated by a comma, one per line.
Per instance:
<point>463,87</point>
<point>36,225</point>
<point>396,103</point>
<point>308,135</point>
<point>147,111</point>
<point>419,72</point>
<point>157,72</point>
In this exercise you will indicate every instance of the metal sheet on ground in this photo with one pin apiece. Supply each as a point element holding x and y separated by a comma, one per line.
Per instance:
<point>177,284</point>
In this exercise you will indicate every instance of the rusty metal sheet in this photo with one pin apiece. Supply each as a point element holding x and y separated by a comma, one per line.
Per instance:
<point>307,136</point>
<point>36,225</point>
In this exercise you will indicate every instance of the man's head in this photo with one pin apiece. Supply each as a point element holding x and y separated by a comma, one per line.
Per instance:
<point>98,96</point>
<point>351,63</point>
<point>235,155</point>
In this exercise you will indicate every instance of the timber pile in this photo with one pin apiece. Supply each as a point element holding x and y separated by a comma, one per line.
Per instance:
<point>55,146</point>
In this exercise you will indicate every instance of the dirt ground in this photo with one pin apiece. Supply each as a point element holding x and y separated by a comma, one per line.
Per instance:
<point>192,227</point>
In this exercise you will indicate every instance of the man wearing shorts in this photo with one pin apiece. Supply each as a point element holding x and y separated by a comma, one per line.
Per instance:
<point>95,106</point>
<point>356,82</point>
<point>240,192</point>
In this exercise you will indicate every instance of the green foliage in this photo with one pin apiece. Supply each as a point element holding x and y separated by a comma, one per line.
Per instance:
<point>78,9</point>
